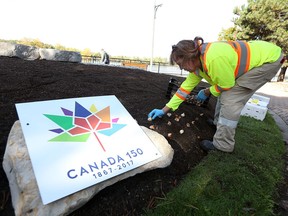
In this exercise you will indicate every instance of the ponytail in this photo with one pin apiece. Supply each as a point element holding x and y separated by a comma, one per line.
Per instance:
<point>198,41</point>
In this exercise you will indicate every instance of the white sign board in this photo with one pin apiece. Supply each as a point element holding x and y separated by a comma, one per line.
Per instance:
<point>76,143</point>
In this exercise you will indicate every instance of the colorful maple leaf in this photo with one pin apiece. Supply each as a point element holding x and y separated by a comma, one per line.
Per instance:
<point>78,126</point>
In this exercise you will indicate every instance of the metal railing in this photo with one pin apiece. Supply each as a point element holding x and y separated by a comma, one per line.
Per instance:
<point>157,67</point>
<point>97,59</point>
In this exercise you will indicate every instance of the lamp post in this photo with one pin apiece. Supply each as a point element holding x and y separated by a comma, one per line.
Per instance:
<point>153,32</point>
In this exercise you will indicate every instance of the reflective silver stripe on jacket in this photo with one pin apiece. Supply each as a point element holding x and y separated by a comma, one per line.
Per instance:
<point>203,48</point>
<point>221,89</point>
<point>197,72</point>
<point>227,122</point>
<point>181,93</point>
<point>243,57</point>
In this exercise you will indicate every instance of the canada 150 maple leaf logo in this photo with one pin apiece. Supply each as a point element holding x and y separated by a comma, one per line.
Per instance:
<point>78,126</point>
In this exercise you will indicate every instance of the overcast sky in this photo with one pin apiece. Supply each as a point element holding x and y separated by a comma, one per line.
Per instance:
<point>121,27</point>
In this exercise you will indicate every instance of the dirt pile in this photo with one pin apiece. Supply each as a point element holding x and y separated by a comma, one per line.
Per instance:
<point>139,91</point>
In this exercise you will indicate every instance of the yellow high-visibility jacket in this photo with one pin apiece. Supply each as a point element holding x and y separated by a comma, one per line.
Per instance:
<point>223,63</point>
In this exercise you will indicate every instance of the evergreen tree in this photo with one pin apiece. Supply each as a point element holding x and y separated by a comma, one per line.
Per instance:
<point>261,20</point>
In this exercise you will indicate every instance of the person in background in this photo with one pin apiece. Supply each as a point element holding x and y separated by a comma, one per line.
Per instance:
<point>281,76</point>
<point>234,69</point>
<point>105,59</point>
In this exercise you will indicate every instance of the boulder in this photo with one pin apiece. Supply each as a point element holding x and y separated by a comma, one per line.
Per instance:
<point>7,49</point>
<point>33,53</point>
<point>19,50</point>
<point>58,55</point>
<point>25,195</point>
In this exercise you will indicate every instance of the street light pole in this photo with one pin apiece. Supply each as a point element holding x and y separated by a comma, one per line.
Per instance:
<point>153,32</point>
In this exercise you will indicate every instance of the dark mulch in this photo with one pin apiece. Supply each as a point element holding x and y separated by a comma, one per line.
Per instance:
<point>139,91</point>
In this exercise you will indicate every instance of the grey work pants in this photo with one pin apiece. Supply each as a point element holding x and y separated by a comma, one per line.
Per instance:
<point>230,103</point>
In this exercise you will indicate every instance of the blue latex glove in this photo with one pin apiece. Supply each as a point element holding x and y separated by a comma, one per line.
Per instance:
<point>201,97</point>
<point>156,113</point>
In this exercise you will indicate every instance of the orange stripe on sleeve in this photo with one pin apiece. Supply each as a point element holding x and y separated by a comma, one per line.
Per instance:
<point>180,96</point>
<point>184,90</point>
<point>216,88</point>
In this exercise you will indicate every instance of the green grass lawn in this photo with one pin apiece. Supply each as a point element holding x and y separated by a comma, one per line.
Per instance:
<point>240,183</point>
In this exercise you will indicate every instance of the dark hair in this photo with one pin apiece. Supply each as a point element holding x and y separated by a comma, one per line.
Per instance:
<point>186,49</point>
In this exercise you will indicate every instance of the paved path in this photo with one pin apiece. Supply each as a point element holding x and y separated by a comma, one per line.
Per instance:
<point>278,108</point>
<point>278,105</point>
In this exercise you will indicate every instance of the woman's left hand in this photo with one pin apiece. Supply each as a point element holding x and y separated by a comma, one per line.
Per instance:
<point>201,96</point>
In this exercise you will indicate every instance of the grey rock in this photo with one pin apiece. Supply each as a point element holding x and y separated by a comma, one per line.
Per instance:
<point>7,49</point>
<point>58,55</point>
<point>33,53</point>
<point>19,50</point>
<point>25,195</point>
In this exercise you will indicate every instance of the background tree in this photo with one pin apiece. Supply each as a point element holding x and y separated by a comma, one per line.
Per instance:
<point>228,34</point>
<point>34,43</point>
<point>61,47</point>
<point>261,19</point>
<point>86,52</point>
